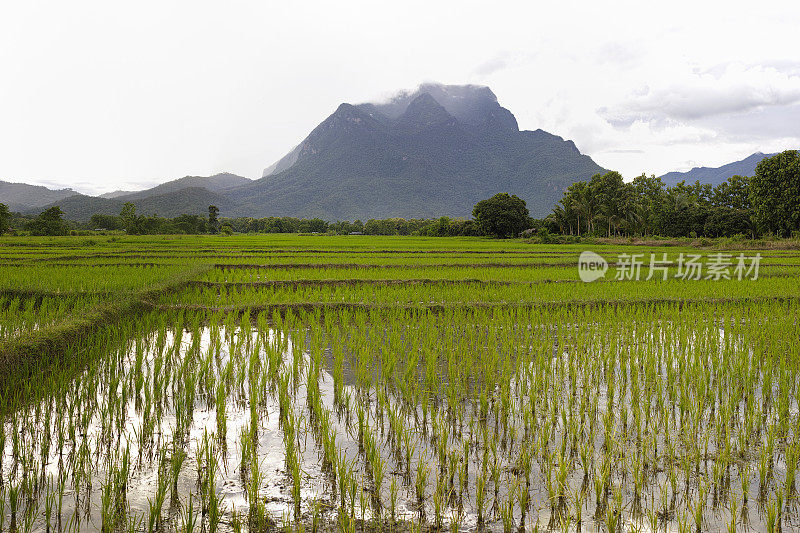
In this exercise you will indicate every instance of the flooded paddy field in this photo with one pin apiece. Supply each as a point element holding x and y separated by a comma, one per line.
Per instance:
<point>172,404</point>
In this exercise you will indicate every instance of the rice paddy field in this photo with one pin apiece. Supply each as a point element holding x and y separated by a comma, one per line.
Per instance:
<point>312,383</point>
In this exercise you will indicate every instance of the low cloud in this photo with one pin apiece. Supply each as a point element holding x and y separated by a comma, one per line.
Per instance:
<point>491,66</point>
<point>731,89</point>
<point>791,68</point>
<point>503,61</point>
<point>768,122</point>
<point>624,54</point>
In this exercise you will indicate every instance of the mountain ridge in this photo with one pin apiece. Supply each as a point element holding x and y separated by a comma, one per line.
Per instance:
<point>169,199</point>
<point>214,183</point>
<point>717,175</point>
<point>189,201</point>
<point>21,196</point>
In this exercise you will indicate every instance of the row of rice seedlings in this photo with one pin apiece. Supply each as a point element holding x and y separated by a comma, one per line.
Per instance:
<point>234,252</point>
<point>490,272</point>
<point>23,315</point>
<point>471,294</point>
<point>80,278</point>
<point>563,268</point>
<point>239,252</point>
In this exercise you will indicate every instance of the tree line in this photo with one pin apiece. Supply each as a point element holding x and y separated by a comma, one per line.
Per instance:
<point>766,203</point>
<point>51,222</point>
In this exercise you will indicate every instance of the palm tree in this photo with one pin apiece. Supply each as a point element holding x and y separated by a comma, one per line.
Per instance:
<point>560,217</point>
<point>612,214</point>
<point>568,213</point>
<point>584,203</point>
<point>635,217</point>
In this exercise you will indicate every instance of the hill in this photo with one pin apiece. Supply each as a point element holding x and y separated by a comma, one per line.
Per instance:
<point>191,200</point>
<point>215,183</point>
<point>188,195</point>
<point>22,197</point>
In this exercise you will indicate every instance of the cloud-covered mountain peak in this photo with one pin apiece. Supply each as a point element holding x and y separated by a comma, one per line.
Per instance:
<point>433,151</point>
<point>423,112</point>
<point>472,105</point>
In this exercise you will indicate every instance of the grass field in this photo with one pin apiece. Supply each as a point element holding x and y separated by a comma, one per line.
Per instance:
<point>353,383</point>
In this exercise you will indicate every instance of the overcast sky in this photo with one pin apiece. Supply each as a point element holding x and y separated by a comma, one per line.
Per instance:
<point>104,95</point>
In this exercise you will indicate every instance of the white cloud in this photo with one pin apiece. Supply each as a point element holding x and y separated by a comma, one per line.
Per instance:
<point>736,89</point>
<point>491,66</point>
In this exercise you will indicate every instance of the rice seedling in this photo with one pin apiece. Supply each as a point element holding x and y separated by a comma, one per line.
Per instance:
<point>393,503</point>
<point>189,517</point>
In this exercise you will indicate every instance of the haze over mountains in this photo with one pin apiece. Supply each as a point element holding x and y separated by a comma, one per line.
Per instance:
<point>431,152</point>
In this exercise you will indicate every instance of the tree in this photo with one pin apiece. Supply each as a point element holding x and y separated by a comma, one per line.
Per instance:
<point>131,222</point>
<point>190,224</point>
<point>502,215</point>
<point>722,222</point>
<point>609,189</point>
<point>559,218</point>
<point>584,204</point>
<point>5,217</point>
<point>213,219</point>
<point>49,222</point>
<point>733,194</point>
<point>100,221</point>
<point>649,196</point>
<point>775,193</point>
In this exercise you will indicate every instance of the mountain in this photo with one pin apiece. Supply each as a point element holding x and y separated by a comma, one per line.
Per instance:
<point>215,183</point>
<point>715,176</point>
<point>431,152</point>
<point>22,197</point>
<point>191,200</point>
<point>188,195</point>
